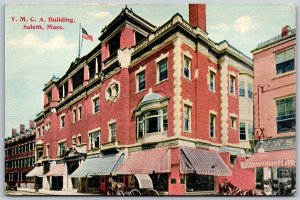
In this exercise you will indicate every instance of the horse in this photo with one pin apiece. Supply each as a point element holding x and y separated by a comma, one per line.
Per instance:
<point>229,189</point>
<point>114,187</point>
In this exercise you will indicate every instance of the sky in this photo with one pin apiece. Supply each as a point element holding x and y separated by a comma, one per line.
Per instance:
<point>33,57</point>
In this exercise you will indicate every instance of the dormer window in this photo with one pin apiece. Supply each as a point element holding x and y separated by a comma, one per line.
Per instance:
<point>49,96</point>
<point>138,37</point>
<point>77,79</point>
<point>114,44</point>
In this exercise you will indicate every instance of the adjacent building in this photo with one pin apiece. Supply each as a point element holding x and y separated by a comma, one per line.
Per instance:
<point>164,101</point>
<point>19,156</point>
<point>275,109</point>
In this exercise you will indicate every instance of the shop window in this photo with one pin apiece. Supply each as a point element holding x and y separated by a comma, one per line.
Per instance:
<point>96,105</point>
<point>286,114</point>
<point>187,67</point>
<point>94,140</point>
<point>249,90</point>
<point>141,83</point>
<point>285,61</point>
<point>212,79</point>
<point>212,126</point>
<point>187,118</point>
<point>195,182</point>
<point>153,121</point>
<point>162,68</point>
<point>242,89</point>
<point>93,182</point>
<point>232,85</point>
<point>112,132</point>
<point>243,131</point>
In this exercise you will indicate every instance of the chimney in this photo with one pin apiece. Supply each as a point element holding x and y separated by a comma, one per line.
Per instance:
<point>14,132</point>
<point>197,15</point>
<point>31,124</point>
<point>22,128</point>
<point>285,31</point>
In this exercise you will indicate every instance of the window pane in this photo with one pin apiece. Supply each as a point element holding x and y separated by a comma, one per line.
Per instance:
<point>211,80</point>
<point>280,57</point>
<point>249,90</point>
<point>165,122</point>
<point>163,70</point>
<point>212,125</point>
<point>289,54</point>
<point>242,89</point>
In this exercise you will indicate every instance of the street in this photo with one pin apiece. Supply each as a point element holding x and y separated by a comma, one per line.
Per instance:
<point>20,193</point>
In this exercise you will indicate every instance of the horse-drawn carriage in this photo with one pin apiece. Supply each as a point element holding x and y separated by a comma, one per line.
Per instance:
<point>137,185</point>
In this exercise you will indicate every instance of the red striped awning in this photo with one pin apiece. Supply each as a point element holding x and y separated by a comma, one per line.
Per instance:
<point>56,170</point>
<point>202,161</point>
<point>147,161</point>
<point>280,158</point>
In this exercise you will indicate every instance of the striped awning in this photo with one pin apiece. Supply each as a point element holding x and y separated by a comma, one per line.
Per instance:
<point>97,165</point>
<point>280,158</point>
<point>144,181</point>
<point>37,171</point>
<point>147,162</point>
<point>202,161</point>
<point>56,170</point>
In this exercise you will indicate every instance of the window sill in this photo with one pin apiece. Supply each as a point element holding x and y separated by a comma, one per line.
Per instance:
<point>187,131</point>
<point>188,79</point>
<point>212,91</point>
<point>94,113</point>
<point>140,91</point>
<point>161,81</point>
<point>284,74</point>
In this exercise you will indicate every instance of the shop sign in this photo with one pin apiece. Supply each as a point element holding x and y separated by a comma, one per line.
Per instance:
<point>276,144</point>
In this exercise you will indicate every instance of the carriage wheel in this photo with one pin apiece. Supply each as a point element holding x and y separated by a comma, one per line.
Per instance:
<point>135,192</point>
<point>151,192</point>
<point>120,193</point>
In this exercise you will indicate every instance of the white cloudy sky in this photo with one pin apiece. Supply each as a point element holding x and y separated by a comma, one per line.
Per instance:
<point>32,57</point>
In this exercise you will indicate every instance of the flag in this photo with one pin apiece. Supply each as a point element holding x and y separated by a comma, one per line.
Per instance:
<point>86,36</point>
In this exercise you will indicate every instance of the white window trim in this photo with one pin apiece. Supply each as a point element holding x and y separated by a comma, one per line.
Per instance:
<point>111,121</point>
<point>234,90</point>
<point>157,60</point>
<point>74,137</point>
<point>280,51</point>
<point>74,117</point>
<point>92,132</point>
<point>78,116</point>
<point>137,81</point>
<point>93,106</point>
<point>213,70</point>
<point>233,115</point>
<point>79,135</point>
<point>58,146</point>
<point>212,112</point>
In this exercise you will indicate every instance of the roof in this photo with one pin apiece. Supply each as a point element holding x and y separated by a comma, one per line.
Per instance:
<point>150,97</point>
<point>202,161</point>
<point>56,170</point>
<point>281,158</point>
<point>147,162</point>
<point>37,171</point>
<point>99,165</point>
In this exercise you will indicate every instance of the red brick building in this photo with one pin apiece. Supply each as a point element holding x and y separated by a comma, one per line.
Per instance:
<point>19,156</point>
<point>275,110</point>
<point>162,97</point>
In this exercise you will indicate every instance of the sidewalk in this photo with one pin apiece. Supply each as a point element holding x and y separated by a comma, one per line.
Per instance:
<point>54,192</point>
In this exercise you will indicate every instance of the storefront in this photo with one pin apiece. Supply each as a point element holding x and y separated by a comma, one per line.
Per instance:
<point>37,174</point>
<point>275,164</point>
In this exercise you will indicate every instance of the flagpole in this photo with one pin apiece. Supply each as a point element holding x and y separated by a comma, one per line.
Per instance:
<point>79,41</point>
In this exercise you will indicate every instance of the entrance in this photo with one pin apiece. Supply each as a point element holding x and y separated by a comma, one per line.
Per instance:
<point>57,183</point>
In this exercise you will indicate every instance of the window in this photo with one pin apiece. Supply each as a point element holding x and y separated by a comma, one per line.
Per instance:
<point>250,90</point>
<point>42,130</point>
<point>285,61</point>
<point>152,121</point>
<point>114,44</point>
<point>187,67</point>
<point>212,83</point>
<point>49,97</point>
<point>79,113</point>
<point>77,79</point>
<point>74,140</point>
<point>74,116</point>
<point>94,140</point>
<point>62,121</point>
<point>232,85</point>
<point>141,81</point>
<point>242,131</point>
<point>233,122</point>
<point>138,37</point>
<point>187,118</point>
<point>242,89</point>
<point>195,182</point>
<point>112,131</point>
<point>79,139</point>
<point>250,131</point>
<point>286,114</point>
<point>162,70</point>
<point>96,105</point>
<point>61,149</point>
<point>212,126</point>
